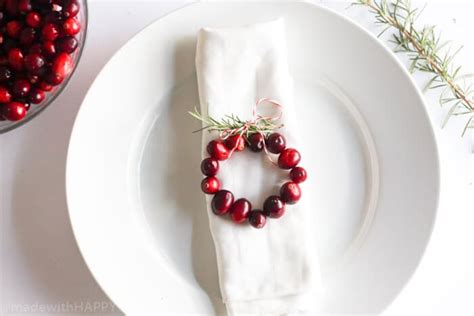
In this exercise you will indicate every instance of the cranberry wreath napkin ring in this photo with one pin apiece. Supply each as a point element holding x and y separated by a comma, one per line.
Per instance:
<point>256,134</point>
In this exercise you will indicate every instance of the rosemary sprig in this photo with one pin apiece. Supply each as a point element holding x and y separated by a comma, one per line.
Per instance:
<point>427,53</point>
<point>232,123</point>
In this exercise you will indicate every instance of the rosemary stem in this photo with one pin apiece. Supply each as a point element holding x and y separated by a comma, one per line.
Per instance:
<point>456,90</point>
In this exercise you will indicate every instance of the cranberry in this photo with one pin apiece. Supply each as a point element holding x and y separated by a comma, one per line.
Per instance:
<point>50,31</point>
<point>27,36</point>
<point>53,17</point>
<point>5,73</point>
<point>210,166</point>
<point>49,49</point>
<point>70,9</point>
<point>33,62</point>
<point>256,142</point>
<point>68,44</point>
<point>53,79</point>
<point>15,58</point>
<point>71,26</point>
<point>217,150</point>
<point>235,142</point>
<point>35,49</point>
<point>45,86</point>
<point>257,219</point>
<point>274,207</point>
<point>240,210</point>
<point>33,19</point>
<point>14,111</point>
<point>21,88</point>
<point>210,185</point>
<point>221,202</point>
<point>1,38</point>
<point>5,95</point>
<point>36,96</point>
<point>290,192</point>
<point>298,174</point>
<point>289,158</point>
<point>276,143</point>
<point>14,28</point>
<point>62,65</point>
<point>33,79</point>
<point>24,5</point>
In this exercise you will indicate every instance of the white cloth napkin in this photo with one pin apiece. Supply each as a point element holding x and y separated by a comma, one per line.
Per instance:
<point>269,271</point>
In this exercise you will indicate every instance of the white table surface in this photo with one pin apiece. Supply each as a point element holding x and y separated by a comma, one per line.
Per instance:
<point>41,267</point>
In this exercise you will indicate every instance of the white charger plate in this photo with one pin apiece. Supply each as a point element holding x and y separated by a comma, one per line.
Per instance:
<point>133,165</point>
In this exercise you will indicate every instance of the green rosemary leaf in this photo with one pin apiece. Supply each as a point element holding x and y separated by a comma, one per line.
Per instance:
<point>468,125</point>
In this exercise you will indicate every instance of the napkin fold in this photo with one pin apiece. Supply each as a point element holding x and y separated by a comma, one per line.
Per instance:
<point>273,270</point>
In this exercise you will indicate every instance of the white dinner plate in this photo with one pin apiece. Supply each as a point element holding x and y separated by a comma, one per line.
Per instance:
<point>133,178</point>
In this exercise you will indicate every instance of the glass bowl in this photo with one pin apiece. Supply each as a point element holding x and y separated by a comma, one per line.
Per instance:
<point>36,109</point>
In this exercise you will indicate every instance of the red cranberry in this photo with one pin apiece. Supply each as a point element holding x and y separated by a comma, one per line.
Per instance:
<point>257,219</point>
<point>45,86</point>
<point>290,192</point>
<point>21,88</point>
<point>35,49</point>
<point>49,49</point>
<point>5,73</point>
<point>210,185</point>
<point>53,17</point>
<point>36,96</point>
<point>256,142</point>
<point>221,202</point>
<point>276,143</point>
<point>209,166</point>
<point>14,111</point>
<point>62,65</point>
<point>240,210</point>
<point>289,158</point>
<point>68,44</point>
<point>235,142</point>
<point>298,174</point>
<point>1,38</point>
<point>217,150</point>
<point>33,79</point>
<point>14,28</point>
<point>24,5</point>
<point>33,19</point>
<point>71,26</point>
<point>50,31</point>
<point>71,9</point>
<point>274,207</point>
<point>15,58</point>
<point>5,95</point>
<point>53,79</point>
<point>33,62</point>
<point>27,36</point>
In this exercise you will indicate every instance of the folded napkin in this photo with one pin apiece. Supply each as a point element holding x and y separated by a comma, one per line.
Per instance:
<point>270,271</point>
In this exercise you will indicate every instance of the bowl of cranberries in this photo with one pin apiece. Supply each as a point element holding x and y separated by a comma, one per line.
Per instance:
<point>41,43</point>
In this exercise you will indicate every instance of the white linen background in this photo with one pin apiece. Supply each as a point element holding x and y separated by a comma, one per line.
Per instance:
<point>38,265</point>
